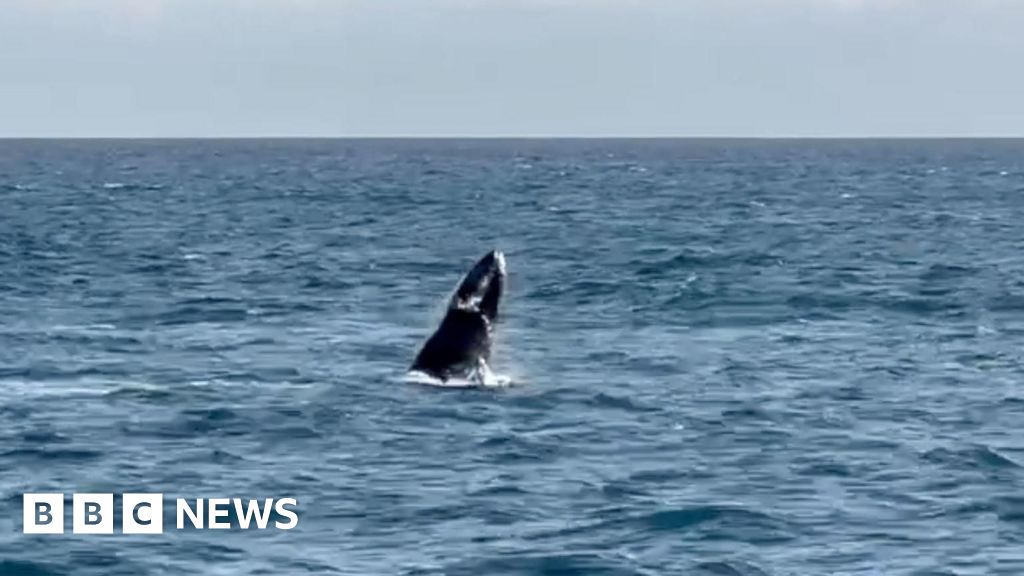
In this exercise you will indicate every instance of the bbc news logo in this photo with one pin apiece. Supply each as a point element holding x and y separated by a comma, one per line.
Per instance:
<point>144,513</point>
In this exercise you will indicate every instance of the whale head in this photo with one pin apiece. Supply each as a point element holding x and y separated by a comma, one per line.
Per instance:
<point>481,289</point>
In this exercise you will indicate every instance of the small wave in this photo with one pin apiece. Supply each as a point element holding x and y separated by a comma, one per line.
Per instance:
<point>972,457</point>
<point>44,437</point>
<point>306,566</point>
<point>607,357</point>
<point>210,552</point>
<point>602,400</point>
<point>1007,303</point>
<point>198,315</point>
<point>20,568</point>
<point>52,454</point>
<point>509,448</point>
<point>545,400</point>
<point>56,387</point>
<point>721,522</point>
<point>937,272</point>
<point>1010,509</point>
<point>132,187</point>
<point>330,283</point>
<point>211,414</point>
<point>826,468</point>
<point>922,306</point>
<point>219,456</point>
<point>565,563</point>
<point>501,490</point>
<point>729,569</point>
<point>191,423</point>
<point>747,413</point>
<point>686,259</point>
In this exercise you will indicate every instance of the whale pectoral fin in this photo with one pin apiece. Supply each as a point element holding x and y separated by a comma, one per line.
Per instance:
<point>483,374</point>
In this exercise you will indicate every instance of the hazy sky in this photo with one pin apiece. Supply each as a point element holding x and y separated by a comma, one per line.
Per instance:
<point>511,67</point>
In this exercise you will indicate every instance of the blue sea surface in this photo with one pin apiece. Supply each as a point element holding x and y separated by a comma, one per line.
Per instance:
<point>728,357</point>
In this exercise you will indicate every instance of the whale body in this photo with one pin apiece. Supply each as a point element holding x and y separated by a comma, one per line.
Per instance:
<point>461,345</point>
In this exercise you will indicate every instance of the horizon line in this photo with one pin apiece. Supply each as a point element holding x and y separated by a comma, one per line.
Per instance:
<point>520,137</point>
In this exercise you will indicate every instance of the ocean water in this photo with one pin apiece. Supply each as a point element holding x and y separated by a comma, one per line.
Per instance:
<point>728,357</point>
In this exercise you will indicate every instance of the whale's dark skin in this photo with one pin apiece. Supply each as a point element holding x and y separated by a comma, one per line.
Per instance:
<point>461,345</point>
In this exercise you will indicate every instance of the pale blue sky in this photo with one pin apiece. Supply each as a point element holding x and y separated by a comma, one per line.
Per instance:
<point>511,67</point>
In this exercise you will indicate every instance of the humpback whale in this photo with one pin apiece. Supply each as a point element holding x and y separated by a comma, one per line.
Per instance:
<point>461,345</point>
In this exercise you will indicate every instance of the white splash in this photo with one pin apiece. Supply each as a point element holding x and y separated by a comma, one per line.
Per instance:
<point>479,379</point>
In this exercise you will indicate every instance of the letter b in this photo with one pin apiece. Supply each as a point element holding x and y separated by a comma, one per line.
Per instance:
<point>93,514</point>
<point>43,513</point>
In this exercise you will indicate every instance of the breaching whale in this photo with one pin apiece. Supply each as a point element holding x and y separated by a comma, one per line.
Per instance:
<point>461,345</point>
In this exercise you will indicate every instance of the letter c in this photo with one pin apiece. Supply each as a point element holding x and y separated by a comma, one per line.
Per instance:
<point>138,519</point>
